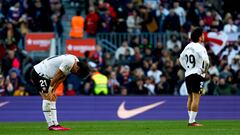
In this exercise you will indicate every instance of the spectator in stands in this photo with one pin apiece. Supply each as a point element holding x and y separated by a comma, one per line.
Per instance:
<point>163,86</point>
<point>149,84</point>
<point>23,26</point>
<point>212,85</point>
<point>7,62</point>
<point>157,52</point>
<point>224,88</point>
<point>172,22</point>
<point>124,91</point>
<point>127,58</point>
<point>5,86</point>
<point>138,73</point>
<point>41,17</point>
<point>10,36</point>
<point>227,17</point>
<point>121,51</point>
<point>108,59</point>
<point>92,22</point>
<point>149,23</point>
<point>134,42</point>
<point>230,51</point>
<point>145,45</point>
<point>77,26</point>
<point>235,65</point>
<point>138,87</point>
<point>57,8</point>
<point>15,78</point>
<point>87,89</point>
<point>134,22</point>
<point>161,14</point>
<point>203,25</point>
<point>98,55</point>
<point>106,21</point>
<point>124,77</point>
<point>155,73</point>
<point>21,91</point>
<point>192,14</point>
<point>70,90</point>
<point>113,84</point>
<point>138,56</point>
<point>122,13</point>
<point>230,27</point>
<point>208,19</point>
<point>173,42</point>
<point>213,70</point>
<point>225,72</point>
<point>15,12</point>
<point>57,26</point>
<point>180,12</point>
<point>171,72</point>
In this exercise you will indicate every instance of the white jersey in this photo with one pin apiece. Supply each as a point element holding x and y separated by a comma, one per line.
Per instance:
<point>48,67</point>
<point>194,59</point>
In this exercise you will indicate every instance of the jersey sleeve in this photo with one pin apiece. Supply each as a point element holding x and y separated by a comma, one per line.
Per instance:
<point>182,60</point>
<point>205,58</point>
<point>66,66</point>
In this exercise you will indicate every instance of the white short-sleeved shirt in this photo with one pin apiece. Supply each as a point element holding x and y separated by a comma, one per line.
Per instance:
<point>49,66</point>
<point>194,59</point>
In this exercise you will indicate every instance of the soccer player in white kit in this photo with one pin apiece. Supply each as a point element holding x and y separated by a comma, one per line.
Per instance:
<point>47,75</point>
<point>194,59</point>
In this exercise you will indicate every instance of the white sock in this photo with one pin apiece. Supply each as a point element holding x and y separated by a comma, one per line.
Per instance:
<point>192,117</point>
<point>47,112</point>
<point>189,113</point>
<point>54,113</point>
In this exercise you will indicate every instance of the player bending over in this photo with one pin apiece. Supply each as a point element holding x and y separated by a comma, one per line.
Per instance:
<point>194,59</point>
<point>47,75</point>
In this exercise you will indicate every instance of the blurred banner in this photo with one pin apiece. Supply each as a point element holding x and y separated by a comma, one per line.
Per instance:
<point>79,108</point>
<point>38,41</point>
<point>218,40</point>
<point>79,46</point>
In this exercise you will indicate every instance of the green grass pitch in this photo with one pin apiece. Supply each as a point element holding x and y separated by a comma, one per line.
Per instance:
<point>214,127</point>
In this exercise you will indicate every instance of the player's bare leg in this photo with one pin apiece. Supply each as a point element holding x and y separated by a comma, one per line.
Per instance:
<point>194,109</point>
<point>189,103</point>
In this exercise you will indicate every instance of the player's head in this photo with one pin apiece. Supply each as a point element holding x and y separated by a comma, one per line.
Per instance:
<point>197,35</point>
<point>83,70</point>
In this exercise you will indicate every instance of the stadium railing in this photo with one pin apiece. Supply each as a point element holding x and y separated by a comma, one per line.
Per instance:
<point>115,39</point>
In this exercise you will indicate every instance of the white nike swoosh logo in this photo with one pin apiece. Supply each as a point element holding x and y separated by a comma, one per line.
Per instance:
<point>125,114</point>
<point>3,103</point>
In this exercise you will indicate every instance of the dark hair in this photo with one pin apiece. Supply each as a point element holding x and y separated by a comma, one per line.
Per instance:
<point>196,34</point>
<point>84,70</point>
<point>78,12</point>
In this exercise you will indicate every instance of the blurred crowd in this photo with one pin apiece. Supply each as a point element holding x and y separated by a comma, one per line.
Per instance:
<point>138,67</point>
<point>17,18</point>
<point>135,16</point>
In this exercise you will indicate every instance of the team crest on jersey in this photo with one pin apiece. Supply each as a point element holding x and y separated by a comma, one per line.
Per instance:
<point>67,67</point>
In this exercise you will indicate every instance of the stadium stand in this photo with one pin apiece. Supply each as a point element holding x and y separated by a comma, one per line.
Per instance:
<point>145,38</point>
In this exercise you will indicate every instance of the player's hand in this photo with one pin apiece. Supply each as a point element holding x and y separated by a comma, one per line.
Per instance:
<point>50,89</point>
<point>202,91</point>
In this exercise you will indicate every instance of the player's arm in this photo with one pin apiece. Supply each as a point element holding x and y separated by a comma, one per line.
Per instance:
<point>61,73</point>
<point>206,63</point>
<point>58,78</point>
<point>182,60</point>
